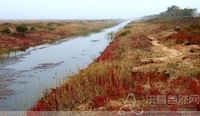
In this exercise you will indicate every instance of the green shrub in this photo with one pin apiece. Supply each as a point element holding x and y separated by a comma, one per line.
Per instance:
<point>21,28</point>
<point>6,31</point>
<point>32,29</point>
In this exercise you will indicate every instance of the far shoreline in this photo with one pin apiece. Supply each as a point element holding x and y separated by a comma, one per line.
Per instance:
<point>39,33</point>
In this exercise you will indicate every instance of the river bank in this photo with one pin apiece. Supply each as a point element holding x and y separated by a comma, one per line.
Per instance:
<point>25,75</point>
<point>20,35</point>
<point>145,61</point>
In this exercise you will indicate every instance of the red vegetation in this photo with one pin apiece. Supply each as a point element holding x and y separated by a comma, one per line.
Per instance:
<point>35,33</point>
<point>117,91</point>
<point>112,51</point>
<point>100,101</point>
<point>115,86</point>
<point>183,37</point>
<point>108,53</point>
<point>19,43</point>
<point>141,41</point>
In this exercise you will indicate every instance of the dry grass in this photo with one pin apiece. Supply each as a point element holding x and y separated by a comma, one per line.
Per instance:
<point>129,65</point>
<point>46,32</point>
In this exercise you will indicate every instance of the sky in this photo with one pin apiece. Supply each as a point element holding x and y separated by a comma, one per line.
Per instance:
<point>87,9</point>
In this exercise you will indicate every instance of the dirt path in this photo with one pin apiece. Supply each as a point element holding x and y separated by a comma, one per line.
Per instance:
<point>159,56</point>
<point>166,54</point>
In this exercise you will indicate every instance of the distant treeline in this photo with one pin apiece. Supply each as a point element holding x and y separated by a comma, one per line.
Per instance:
<point>175,12</point>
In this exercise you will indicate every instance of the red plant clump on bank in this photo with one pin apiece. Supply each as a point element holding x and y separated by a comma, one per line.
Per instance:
<point>108,53</point>
<point>116,92</point>
<point>183,37</point>
<point>141,41</point>
<point>51,103</point>
<point>19,43</point>
<point>100,101</point>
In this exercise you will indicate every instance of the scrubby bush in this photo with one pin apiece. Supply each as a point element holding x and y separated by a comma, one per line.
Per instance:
<point>6,31</point>
<point>32,29</point>
<point>21,28</point>
<point>124,33</point>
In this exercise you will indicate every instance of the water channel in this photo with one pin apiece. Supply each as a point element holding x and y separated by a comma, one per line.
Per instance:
<point>25,75</point>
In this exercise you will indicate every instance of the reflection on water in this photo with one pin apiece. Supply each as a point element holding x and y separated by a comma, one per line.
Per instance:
<point>24,75</point>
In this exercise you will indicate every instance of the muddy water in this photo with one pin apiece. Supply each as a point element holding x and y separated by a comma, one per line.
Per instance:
<point>25,75</point>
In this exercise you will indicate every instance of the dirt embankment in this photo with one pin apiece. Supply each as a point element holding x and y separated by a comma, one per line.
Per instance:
<point>143,69</point>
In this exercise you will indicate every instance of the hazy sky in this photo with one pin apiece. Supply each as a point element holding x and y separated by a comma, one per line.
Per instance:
<point>87,9</point>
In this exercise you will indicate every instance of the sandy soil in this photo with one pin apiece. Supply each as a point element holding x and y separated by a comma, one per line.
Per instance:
<point>167,53</point>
